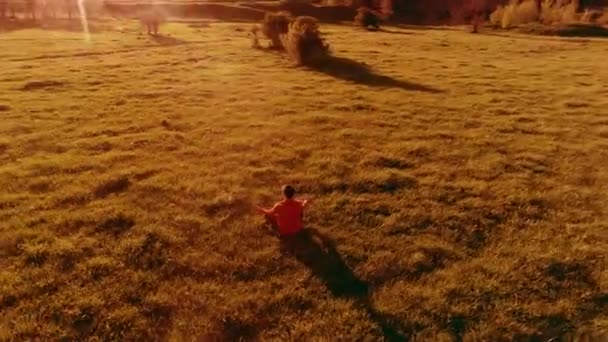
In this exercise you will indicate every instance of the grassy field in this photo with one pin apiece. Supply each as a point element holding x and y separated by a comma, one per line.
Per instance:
<point>459,185</point>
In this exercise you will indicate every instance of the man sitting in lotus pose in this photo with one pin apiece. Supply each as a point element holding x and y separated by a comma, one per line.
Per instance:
<point>286,215</point>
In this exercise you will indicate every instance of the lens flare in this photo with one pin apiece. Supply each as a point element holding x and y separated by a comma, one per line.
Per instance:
<point>84,21</point>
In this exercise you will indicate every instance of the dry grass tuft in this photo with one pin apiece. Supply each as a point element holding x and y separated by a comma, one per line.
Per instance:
<point>303,41</point>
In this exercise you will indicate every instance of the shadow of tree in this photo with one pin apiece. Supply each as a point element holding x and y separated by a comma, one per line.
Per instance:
<point>166,40</point>
<point>318,252</point>
<point>581,30</point>
<point>353,71</point>
<point>406,33</point>
<point>426,27</point>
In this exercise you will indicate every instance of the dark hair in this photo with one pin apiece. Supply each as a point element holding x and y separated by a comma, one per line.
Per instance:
<point>289,191</point>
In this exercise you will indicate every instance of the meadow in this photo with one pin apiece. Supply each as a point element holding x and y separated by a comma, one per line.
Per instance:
<point>459,185</point>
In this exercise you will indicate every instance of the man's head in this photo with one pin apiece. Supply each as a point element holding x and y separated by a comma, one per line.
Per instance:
<point>289,191</point>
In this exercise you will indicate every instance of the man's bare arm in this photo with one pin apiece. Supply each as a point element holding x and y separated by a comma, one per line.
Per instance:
<point>266,211</point>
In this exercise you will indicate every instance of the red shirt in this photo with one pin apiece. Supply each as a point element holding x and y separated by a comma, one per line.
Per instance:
<point>288,214</point>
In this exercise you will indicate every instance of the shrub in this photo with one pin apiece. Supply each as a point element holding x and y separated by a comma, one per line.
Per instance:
<point>367,18</point>
<point>591,16</point>
<point>496,16</point>
<point>551,12</point>
<point>517,14</point>
<point>558,12</point>
<point>303,41</point>
<point>275,25</point>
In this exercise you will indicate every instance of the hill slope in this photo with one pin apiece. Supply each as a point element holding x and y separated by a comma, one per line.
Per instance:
<point>459,186</point>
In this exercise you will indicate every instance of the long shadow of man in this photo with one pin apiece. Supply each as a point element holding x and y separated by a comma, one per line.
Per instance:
<point>318,252</point>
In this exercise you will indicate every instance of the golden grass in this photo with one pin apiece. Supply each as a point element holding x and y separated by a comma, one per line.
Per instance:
<point>459,186</point>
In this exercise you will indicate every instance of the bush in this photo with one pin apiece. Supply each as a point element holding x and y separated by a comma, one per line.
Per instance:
<point>303,41</point>
<point>496,16</point>
<point>559,12</point>
<point>275,25</point>
<point>300,37</point>
<point>516,14</point>
<point>367,18</point>
<point>551,12</point>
